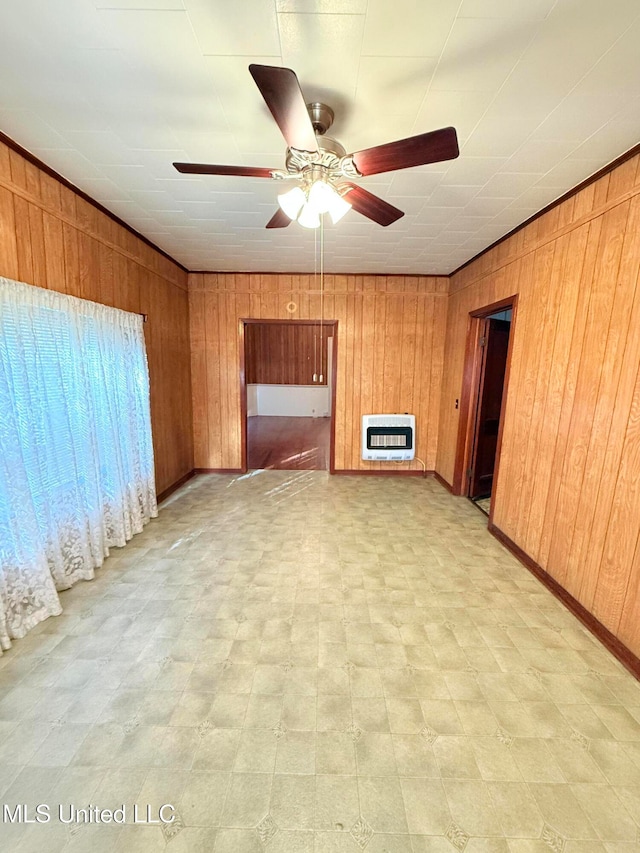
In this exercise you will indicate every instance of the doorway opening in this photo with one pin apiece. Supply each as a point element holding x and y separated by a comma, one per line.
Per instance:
<point>288,383</point>
<point>483,398</point>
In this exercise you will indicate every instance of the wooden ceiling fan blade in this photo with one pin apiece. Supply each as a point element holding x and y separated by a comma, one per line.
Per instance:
<point>431,147</point>
<point>278,220</point>
<point>372,206</point>
<point>210,169</point>
<point>282,94</point>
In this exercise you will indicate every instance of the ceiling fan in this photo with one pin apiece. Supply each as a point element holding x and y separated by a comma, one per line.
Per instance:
<point>322,170</point>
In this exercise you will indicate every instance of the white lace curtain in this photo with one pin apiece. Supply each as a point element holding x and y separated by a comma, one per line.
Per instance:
<point>76,458</point>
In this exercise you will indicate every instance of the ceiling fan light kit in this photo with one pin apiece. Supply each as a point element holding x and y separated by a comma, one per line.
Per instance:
<point>320,164</point>
<point>308,204</point>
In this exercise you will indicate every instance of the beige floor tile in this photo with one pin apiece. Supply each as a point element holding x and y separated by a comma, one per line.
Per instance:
<point>426,806</point>
<point>293,801</point>
<point>247,800</point>
<point>610,818</point>
<point>256,751</point>
<point>295,679</point>
<point>296,753</point>
<point>535,760</point>
<point>203,798</point>
<point>337,805</point>
<point>516,809</point>
<point>562,810</point>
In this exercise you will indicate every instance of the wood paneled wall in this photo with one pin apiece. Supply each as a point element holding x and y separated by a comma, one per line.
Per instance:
<point>52,237</point>
<point>285,353</point>
<point>389,354</point>
<point>568,487</point>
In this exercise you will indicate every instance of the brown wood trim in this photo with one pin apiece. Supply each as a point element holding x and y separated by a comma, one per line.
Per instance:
<point>608,640</point>
<point>443,482</point>
<point>175,486</point>
<point>243,397</point>
<point>329,324</point>
<point>466,405</point>
<point>15,146</point>
<point>500,305</point>
<point>442,275</point>
<point>369,473</point>
<point>293,321</point>
<point>555,203</point>
<point>469,391</point>
<point>218,471</point>
<point>334,384</point>
<point>503,404</point>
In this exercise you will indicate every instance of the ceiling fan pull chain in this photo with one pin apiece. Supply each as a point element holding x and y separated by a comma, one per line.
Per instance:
<point>321,296</point>
<point>315,276</point>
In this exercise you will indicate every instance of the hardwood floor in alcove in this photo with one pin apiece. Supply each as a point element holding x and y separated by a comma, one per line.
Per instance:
<point>288,443</point>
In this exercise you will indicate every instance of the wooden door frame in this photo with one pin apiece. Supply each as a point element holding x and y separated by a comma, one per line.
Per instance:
<point>326,324</point>
<point>470,389</point>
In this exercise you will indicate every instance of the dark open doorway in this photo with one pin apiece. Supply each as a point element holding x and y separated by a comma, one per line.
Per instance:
<point>482,402</point>
<point>287,390</point>
<point>494,344</point>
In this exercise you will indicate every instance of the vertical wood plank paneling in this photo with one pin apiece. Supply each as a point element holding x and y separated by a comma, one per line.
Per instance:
<point>568,486</point>
<point>568,248</point>
<point>8,243</point>
<point>534,377</point>
<point>581,266</point>
<point>52,238</point>
<point>616,264</point>
<point>602,285</point>
<point>614,577</point>
<point>603,497</point>
<point>23,240</point>
<point>383,360</point>
<point>284,354</point>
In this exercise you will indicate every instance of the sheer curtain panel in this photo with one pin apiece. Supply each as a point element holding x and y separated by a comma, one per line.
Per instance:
<point>76,468</point>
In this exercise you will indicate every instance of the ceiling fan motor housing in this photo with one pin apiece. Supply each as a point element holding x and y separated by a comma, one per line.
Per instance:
<point>321,117</point>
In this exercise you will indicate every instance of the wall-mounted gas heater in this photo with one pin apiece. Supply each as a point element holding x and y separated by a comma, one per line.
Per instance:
<point>390,438</point>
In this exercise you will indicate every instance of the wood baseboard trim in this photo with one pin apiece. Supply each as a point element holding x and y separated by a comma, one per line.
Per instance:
<point>443,482</point>
<point>349,472</point>
<point>218,471</point>
<point>173,488</point>
<point>604,635</point>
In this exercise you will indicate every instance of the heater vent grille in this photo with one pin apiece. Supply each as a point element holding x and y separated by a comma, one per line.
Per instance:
<point>388,438</point>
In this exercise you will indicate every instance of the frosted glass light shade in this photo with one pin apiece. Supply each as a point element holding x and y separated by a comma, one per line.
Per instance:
<point>321,196</point>
<point>309,218</point>
<point>292,201</point>
<point>339,206</point>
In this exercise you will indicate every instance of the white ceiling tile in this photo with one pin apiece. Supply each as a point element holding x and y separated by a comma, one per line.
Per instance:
<point>532,10</point>
<point>508,184</point>
<point>136,5</point>
<point>462,110</point>
<point>498,136</point>
<point>30,130</point>
<point>453,197</point>
<point>408,182</point>
<point>248,28</point>
<point>327,7</point>
<point>539,155</point>
<point>407,28</point>
<point>395,84</point>
<point>569,173</point>
<point>608,143</point>
<point>103,148</point>
<point>541,93</point>
<point>472,171</point>
<point>480,54</point>
<point>323,74</point>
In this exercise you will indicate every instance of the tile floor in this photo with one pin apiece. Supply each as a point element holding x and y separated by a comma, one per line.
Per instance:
<point>299,663</point>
